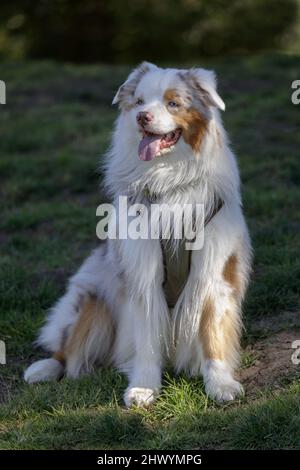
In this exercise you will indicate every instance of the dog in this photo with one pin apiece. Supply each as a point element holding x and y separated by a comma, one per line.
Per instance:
<point>168,146</point>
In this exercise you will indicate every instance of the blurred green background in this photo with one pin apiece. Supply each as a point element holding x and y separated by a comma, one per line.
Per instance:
<point>116,31</point>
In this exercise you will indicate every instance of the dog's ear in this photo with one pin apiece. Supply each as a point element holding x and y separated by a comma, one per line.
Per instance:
<point>127,89</point>
<point>204,84</point>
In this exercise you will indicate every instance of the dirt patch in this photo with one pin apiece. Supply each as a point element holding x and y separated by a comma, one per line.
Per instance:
<point>272,363</point>
<point>274,323</point>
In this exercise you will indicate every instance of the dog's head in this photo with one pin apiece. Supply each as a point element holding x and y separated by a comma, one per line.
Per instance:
<point>168,107</point>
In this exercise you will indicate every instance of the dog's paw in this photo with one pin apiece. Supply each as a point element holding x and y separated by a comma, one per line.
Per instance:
<point>219,383</point>
<point>43,370</point>
<point>140,396</point>
<point>224,390</point>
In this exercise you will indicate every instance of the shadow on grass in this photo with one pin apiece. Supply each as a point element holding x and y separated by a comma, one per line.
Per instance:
<point>86,414</point>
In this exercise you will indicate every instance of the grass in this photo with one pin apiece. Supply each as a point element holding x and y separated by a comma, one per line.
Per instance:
<point>54,129</point>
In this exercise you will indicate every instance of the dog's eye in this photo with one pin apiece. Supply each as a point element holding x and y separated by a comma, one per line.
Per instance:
<point>173,104</point>
<point>139,102</point>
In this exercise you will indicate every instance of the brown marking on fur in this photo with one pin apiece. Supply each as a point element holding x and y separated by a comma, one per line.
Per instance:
<point>59,356</point>
<point>190,120</point>
<point>208,333</point>
<point>230,273</point>
<point>94,312</point>
<point>220,339</point>
<point>231,327</point>
<point>172,95</point>
<point>194,126</point>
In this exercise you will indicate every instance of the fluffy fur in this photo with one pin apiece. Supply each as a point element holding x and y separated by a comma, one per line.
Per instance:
<point>114,311</point>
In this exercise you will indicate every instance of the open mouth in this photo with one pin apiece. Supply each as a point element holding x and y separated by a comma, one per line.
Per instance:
<point>151,144</point>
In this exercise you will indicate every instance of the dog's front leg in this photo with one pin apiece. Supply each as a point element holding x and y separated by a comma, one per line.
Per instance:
<point>148,315</point>
<point>211,325</point>
<point>145,371</point>
<point>220,323</point>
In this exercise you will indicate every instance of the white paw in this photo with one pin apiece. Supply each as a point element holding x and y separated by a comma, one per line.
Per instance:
<point>226,390</point>
<point>219,383</point>
<point>43,370</point>
<point>140,396</point>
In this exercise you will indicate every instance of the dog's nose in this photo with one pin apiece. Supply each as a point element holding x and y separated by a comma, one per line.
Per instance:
<point>144,118</point>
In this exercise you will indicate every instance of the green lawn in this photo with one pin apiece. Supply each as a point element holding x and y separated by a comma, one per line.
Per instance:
<point>53,130</point>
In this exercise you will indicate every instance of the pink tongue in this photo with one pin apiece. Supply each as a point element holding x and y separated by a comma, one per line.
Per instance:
<point>149,147</point>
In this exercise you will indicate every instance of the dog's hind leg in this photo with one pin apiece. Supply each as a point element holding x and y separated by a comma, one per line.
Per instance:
<point>89,342</point>
<point>79,329</point>
<point>91,338</point>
